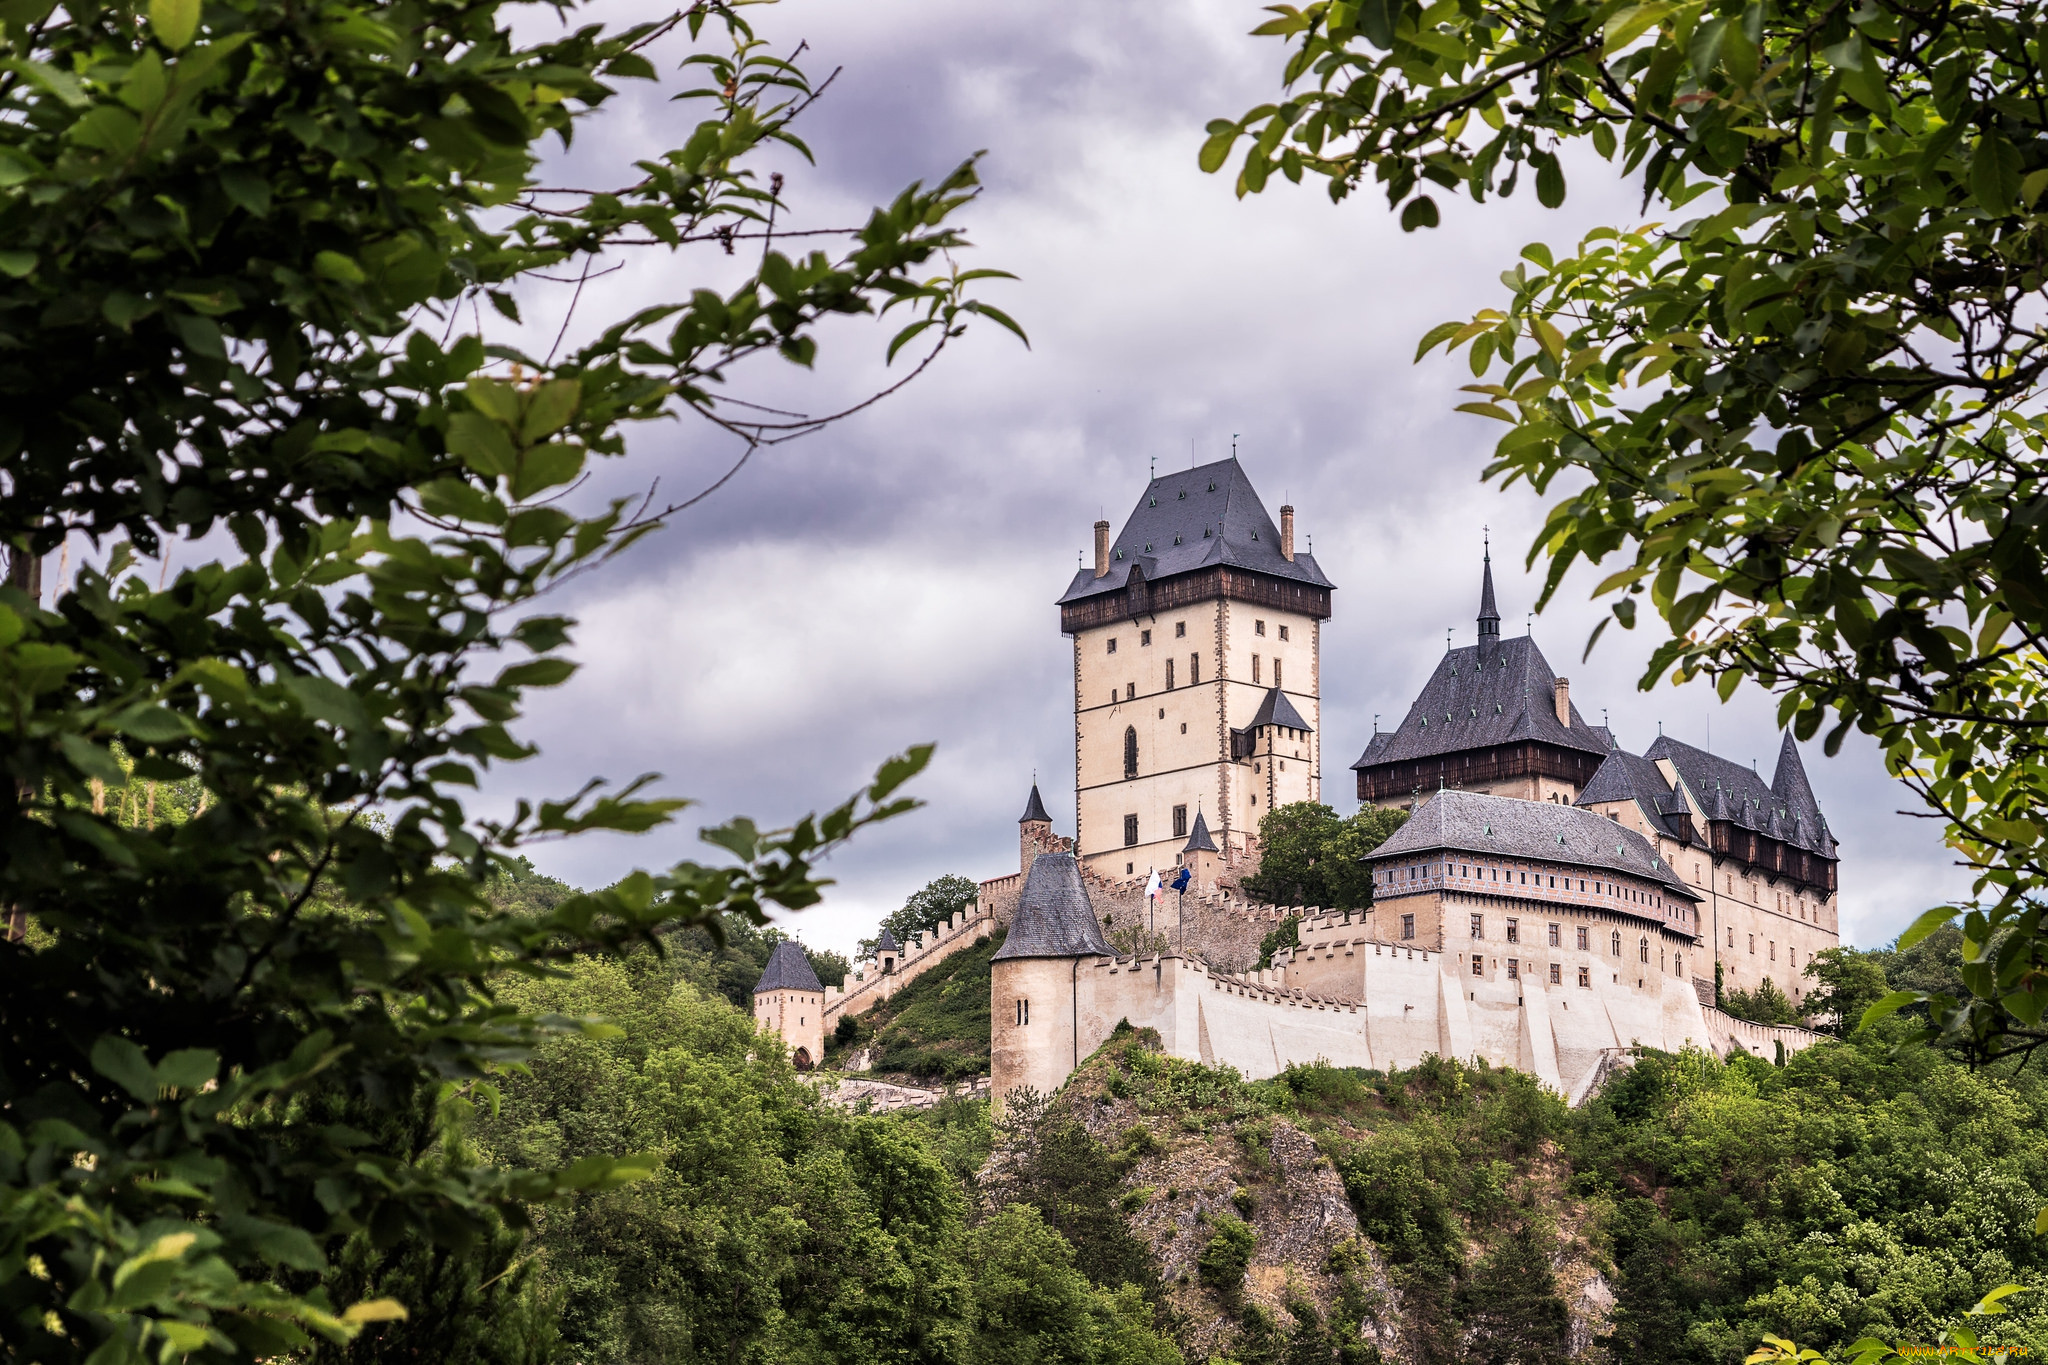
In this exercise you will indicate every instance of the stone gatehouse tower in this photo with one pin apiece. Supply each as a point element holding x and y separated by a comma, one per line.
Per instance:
<point>1197,675</point>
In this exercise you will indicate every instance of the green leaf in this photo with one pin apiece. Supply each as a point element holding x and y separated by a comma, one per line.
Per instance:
<point>65,86</point>
<point>123,1063</point>
<point>549,408</point>
<point>1995,173</point>
<point>18,264</point>
<point>332,265</point>
<point>152,724</point>
<point>546,467</point>
<point>1888,1006</point>
<point>1927,922</point>
<point>90,759</point>
<point>483,445</point>
<point>201,335</point>
<point>537,673</point>
<point>174,22</point>
<point>188,1068</point>
<point>1216,147</point>
<point>248,188</point>
<point>1419,212</point>
<point>1435,336</point>
<point>1550,182</point>
<point>326,700</point>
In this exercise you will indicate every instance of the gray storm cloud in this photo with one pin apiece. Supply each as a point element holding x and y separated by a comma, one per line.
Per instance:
<point>891,580</point>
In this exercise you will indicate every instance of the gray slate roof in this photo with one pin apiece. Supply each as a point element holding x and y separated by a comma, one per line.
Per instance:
<point>1785,809</point>
<point>1198,837</point>
<point>1277,710</point>
<point>789,969</point>
<point>1054,916</point>
<point>887,943</point>
<point>1034,809</point>
<point>1507,827</point>
<point>1191,520</point>
<point>1499,691</point>
<point>1627,777</point>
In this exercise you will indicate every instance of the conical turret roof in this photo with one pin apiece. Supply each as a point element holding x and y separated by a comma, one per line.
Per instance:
<point>1198,837</point>
<point>1034,810</point>
<point>1054,916</point>
<point>789,969</point>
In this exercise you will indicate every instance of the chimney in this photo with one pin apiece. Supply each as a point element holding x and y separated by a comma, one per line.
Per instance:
<point>1287,534</point>
<point>1564,702</point>
<point>1102,549</point>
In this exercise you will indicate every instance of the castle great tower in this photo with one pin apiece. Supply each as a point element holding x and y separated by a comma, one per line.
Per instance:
<point>1197,673</point>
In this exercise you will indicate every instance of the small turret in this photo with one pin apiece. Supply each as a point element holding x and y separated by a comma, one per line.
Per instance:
<point>1034,831</point>
<point>790,1000</point>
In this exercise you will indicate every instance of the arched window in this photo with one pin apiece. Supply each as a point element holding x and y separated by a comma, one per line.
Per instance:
<point>1678,964</point>
<point>1615,941</point>
<point>1130,751</point>
<point>1643,949</point>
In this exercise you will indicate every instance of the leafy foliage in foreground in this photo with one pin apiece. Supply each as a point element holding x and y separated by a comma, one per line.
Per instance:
<point>1804,412</point>
<point>238,245</point>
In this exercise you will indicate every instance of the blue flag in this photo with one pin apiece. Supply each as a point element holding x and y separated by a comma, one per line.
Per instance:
<point>1181,879</point>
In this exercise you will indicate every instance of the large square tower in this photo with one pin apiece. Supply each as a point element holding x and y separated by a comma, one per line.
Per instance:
<point>1197,673</point>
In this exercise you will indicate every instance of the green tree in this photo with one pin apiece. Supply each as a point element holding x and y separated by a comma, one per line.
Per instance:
<point>1764,1005</point>
<point>1800,419</point>
<point>938,901</point>
<point>1509,1306</point>
<point>1308,856</point>
<point>243,249</point>
<point>1846,983</point>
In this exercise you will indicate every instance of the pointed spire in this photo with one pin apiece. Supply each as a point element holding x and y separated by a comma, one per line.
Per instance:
<point>1489,614</point>
<point>1034,810</point>
<point>1198,837</point>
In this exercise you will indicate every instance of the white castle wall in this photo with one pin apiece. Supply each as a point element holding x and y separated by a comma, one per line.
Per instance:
<point>1410,1002</point>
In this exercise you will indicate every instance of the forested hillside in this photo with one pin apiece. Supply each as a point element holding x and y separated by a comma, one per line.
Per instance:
<point>1156,1210</point>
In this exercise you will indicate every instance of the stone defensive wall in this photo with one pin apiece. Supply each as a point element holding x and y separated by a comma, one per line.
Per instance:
<point>871,986</point>
<point>1728,1035</point>
<point>1349,1000</point>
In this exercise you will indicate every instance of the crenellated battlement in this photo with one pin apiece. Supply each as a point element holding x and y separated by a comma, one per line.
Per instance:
<point>870,987</point>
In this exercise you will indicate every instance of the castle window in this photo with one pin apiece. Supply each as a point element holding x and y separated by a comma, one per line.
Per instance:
<point>1556,935</point>
<point>1194,669</point>
<point>1130,834</point>
<point>1514,930</point>
<point>1614,943</point>
<point>1283,632</point>
<point>1582,938</point>
<point>1752,944</point>
<point>1255,668</point>
<point>1144,638</point>
<point>1514,969</point>
<point>1774,950</point>
<point>1130,691</point>
<point>1169,675</point>
<point>1556,974</point>
<point>1183,727</point>
<point>1180,630</point>
<point>1276,670</point>
<point>1731,938</point>
<point>1131,756</point>
<point>1180,822</point>
<point>1643,950</point>
<point>1586,977</point>
<point>1407,926</point>
<point>1112,644</point>
<point>1479,926</point>
<point>1258,627</point>
<point>1023,1012</point>
<point>1678,964</point>
<point>1478,965</point>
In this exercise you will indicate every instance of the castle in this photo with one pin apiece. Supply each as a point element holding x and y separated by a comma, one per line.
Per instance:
<point>1551,901</point>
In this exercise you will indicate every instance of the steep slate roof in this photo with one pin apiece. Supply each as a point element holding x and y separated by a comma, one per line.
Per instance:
<point>1786,809</point>
<point>1496,692</point>
<point>1054,916</point>
<point>1034,810</point>
<point>888,943</point>
<point>789,969</point>
<point>1191,520</point>
<point>1507,827</point>
<point>1277,710</point>
<point>1627,777</point>
<point>1198,837</point>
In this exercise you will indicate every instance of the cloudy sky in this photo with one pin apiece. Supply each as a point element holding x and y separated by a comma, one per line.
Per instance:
<point>892,580</point>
